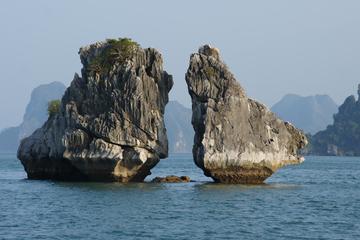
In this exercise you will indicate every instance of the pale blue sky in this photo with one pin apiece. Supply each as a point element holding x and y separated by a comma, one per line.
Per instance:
<point>273,47</point>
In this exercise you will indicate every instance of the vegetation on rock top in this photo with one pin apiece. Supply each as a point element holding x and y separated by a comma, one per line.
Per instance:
<point>117,51</point>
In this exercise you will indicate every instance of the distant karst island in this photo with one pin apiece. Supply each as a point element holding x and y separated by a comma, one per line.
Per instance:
<point>311,113</point>
<point>342,138</point>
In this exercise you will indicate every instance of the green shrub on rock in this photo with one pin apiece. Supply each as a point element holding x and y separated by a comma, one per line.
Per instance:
<point>118,50</point>
<point>54,107</point>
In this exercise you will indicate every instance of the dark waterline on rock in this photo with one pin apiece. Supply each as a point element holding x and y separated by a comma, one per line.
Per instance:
<point>319,199</point>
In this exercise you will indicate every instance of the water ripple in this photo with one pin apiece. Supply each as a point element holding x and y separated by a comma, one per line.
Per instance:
<point>319,199</point>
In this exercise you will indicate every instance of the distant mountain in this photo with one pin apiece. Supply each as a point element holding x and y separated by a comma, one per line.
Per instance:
<point>35,115</point>
<point>343,137</point>
<point>311,114</point>
<point>179,129</point>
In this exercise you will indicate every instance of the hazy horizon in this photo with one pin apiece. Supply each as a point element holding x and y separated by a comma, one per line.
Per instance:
<point>273,48</point>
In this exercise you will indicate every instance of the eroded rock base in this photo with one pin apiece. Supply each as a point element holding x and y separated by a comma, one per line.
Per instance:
<point>240,175</point>
<point>55,170</point>
<point>63,170</point>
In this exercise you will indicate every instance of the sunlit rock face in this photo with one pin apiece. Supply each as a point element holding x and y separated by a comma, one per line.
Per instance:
<point>237,139</point>
<point>110,125</point>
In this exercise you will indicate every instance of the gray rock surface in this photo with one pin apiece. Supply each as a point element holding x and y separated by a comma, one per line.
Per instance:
<point>34,117</point>
<point>237,139</point>
<point>110,123</point>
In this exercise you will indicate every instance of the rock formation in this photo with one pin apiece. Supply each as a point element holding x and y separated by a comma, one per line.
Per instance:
<point>237,139</point>
<point>34,117</point>
<point>343,137</point>
<point>109,126</point>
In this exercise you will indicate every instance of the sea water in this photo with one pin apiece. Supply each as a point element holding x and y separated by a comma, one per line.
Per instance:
<point>319,199</point>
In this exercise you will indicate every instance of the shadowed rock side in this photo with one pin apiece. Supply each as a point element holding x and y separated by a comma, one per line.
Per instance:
<point>109,126</point>
<point>237,140</point>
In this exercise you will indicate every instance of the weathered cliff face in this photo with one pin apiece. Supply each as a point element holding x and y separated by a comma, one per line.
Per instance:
<point>237,140</point>
<point>110,123</point>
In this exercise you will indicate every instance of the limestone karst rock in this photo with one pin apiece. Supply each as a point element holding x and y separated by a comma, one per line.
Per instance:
<point>110,125</point>
<point>237,139</point>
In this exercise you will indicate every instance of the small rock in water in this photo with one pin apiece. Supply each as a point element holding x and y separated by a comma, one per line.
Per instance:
<point>171,179</point>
